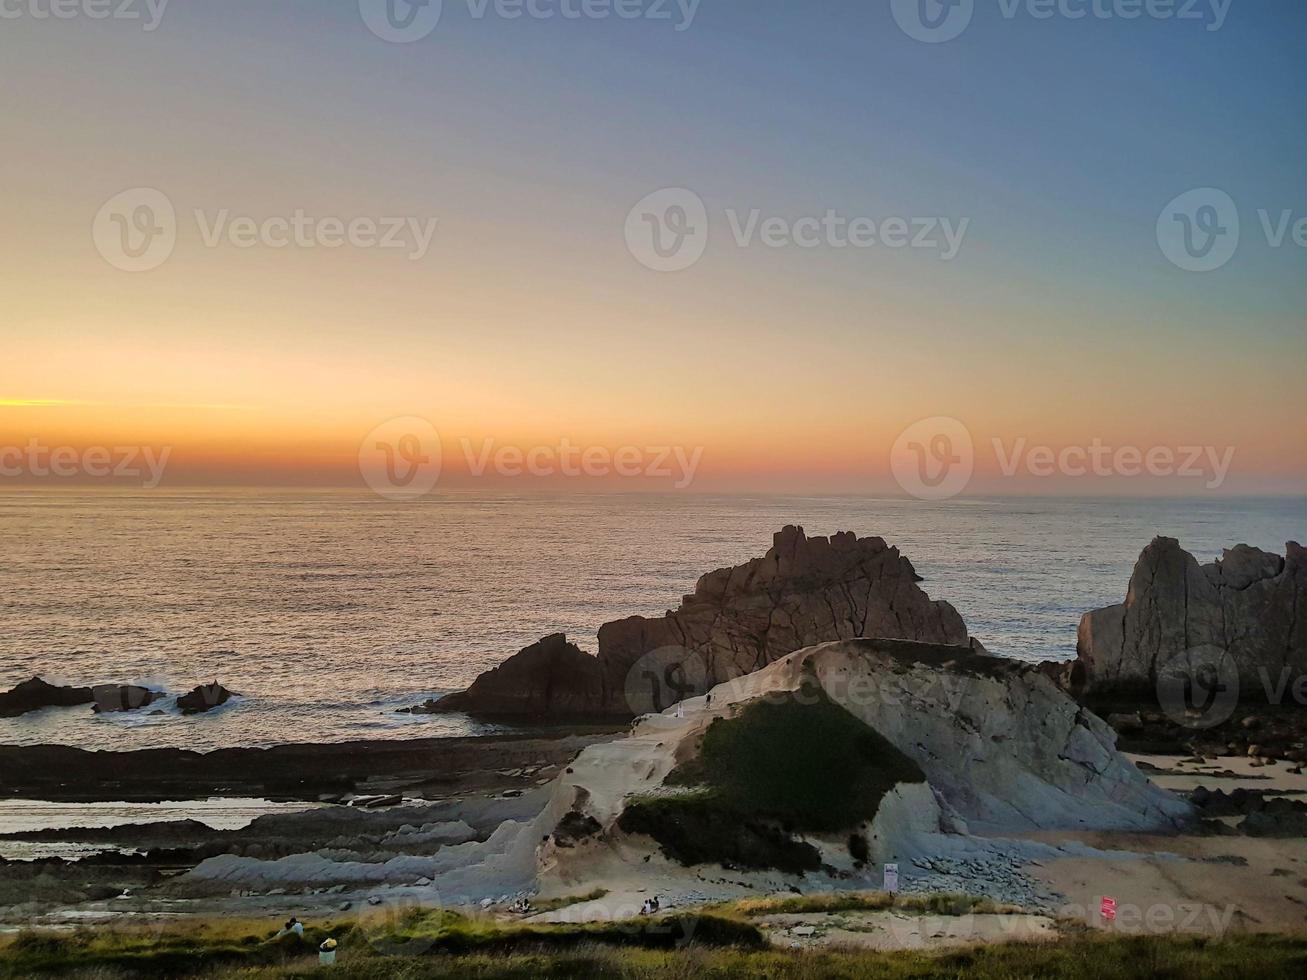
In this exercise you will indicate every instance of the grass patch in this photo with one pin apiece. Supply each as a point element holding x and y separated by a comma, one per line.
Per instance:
<point>831,902</point>
<point>801,759</point>
<point>554,904</point>
<point>218,948</point>
<point>146,951</point>
<point>699,829</point>
<point>797,764</point>
<point>1103,958</point>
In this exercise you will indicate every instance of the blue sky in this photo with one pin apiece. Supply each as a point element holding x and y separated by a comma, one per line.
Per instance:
<point>1059,140</point>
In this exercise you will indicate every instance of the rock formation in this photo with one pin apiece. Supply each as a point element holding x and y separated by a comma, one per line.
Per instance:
<point>803,591</point>
<point>1003,747</point>
<point>957,744</point>
<point>1250,607</point>
<point>122,697</point>
<point>204,698</point>
<point>36,694</point>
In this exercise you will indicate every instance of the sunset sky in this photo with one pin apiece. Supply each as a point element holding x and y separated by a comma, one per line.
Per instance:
<point>528,321</point>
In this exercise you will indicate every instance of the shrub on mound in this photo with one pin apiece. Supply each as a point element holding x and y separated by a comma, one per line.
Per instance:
<point>799,763</point>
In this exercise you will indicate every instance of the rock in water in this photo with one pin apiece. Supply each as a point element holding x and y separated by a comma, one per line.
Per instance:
<point>1249,607</point>
<point>36,694</point>
<point>550,677</point>
<point>204,698</point>
<point>125,697</point>
<point>803,591</point>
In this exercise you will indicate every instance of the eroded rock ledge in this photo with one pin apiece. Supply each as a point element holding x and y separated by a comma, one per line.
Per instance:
<point>803,591</point>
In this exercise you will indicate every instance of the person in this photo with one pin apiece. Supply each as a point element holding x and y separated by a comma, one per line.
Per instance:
<point>646,907</point>
<point>292,925</point>
<point>654,904</point>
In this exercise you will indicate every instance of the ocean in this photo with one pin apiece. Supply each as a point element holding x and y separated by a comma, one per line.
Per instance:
<point>328,611</point>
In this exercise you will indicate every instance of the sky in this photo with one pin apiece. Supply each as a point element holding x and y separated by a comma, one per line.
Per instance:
<point>1017,285</point>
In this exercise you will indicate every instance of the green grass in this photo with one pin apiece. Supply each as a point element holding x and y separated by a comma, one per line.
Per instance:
<point>801,759</point>
<point>564,901</point>
<point>831,902</point>
<point>719,943</point>
<point>797,764</point>
<point>416,932</point>
<point>1126,958</point>
<point>698,828</point>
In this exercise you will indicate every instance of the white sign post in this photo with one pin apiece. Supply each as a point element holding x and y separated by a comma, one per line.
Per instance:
<point>891,878</point>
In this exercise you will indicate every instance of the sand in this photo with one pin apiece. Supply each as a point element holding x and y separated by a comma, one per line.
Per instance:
<point>1208,884</point>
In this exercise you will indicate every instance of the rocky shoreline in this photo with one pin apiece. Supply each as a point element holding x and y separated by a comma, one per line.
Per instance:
<point>37,694</point>
<point>969,772</point>
<point>309,772</point>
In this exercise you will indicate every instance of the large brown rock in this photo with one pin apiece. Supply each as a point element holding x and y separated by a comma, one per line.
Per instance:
<point>550,677</point>
<point>1250,607</point>
<point>36,694</point>
<point>204,698</point>
<point>803,591</point>
<point>122,697</point>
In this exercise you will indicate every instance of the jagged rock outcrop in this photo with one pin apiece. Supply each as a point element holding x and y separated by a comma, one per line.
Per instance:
<point>803,591</point>
<point>1249,607</point>
<point>36,694</point>
<point>204,698</point>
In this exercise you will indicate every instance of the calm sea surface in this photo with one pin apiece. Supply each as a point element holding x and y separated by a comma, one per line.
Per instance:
<point>329,611</point>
